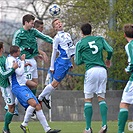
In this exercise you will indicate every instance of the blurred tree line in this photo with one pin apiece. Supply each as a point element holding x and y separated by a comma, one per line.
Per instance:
<point>107,18</point>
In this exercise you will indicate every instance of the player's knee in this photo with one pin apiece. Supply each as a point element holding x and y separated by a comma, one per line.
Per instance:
<point>38,107</point>
<point>35,81</point>
<point>101,96</point>
<point>124,105</point>
<point>11,108</point>
<point>32,102</point>
<point>55,83</point>
<point>89,95</point>
<point>88,100</point>
<point>31,84</point>
<point>35,85</point>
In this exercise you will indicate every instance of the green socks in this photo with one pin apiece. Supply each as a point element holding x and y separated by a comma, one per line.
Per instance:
<point>103,112</point>
<point>7,119</point>
<point>88,114</point>
<point>122,119</point>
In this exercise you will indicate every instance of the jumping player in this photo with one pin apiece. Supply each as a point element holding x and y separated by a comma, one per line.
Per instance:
<point>26,39</point>
<point>63,45</point>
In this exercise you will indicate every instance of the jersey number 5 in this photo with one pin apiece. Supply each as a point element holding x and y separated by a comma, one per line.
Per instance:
<point>93,47</point>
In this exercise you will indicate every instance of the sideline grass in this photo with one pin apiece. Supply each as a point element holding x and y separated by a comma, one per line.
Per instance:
<point>66,127</point>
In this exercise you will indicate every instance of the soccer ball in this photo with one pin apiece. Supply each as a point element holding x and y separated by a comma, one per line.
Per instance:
<point>54,10</point>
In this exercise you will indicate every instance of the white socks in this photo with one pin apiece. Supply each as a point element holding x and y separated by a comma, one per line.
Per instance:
<point>28,113</point>
<point>41,117</point>
<point>46,92</point>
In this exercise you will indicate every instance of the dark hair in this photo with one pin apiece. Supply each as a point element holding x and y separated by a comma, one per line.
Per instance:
<point>28,18</point>
<point>128,30</point>
<point>86,29</point>
<point>37,23</point>
<point>14,49</point>
<point>1,45</point>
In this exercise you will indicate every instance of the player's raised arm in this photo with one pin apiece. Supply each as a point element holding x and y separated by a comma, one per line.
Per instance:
<point>44,37</point>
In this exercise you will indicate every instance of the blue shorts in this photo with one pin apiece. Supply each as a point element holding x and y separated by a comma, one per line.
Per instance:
<point>23,94</point>
<point>61,68</point>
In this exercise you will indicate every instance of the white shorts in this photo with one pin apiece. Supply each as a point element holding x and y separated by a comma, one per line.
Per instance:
<point>9,98</point>
<point>127,96</point>
<point>95,82</point>
<point>31,71</point>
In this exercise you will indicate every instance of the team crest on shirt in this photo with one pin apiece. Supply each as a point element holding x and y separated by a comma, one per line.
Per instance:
<point>27,95</point>
<point>59,77</point>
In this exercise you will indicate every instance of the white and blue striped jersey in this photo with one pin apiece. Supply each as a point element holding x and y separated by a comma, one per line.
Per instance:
<point>63,44</point>
<point>20,76</point>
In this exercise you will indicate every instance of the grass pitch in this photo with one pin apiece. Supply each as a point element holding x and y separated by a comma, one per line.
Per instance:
<point>66,127</point>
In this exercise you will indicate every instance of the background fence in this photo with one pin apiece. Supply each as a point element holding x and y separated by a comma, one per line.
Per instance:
<point>68,105</point>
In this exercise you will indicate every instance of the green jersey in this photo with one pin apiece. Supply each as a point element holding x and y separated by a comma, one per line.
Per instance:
<point>129,52</point>
<point>4,74</point>
<point>89,50</point>
<point>27,41</point>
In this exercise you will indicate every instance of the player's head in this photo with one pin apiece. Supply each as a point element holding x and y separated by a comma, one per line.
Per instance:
<point>57,24</point>
<point>28,21</point>
<point>1,47</point>
<point>86,29</point>
<point>128,30</point>
<point>38,24</point>
<point>15,51</point>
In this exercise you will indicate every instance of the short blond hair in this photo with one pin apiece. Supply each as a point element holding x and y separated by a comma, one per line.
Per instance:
<point>54,21</point>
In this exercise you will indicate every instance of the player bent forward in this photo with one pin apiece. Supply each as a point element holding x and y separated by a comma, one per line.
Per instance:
<point>24,95</point>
